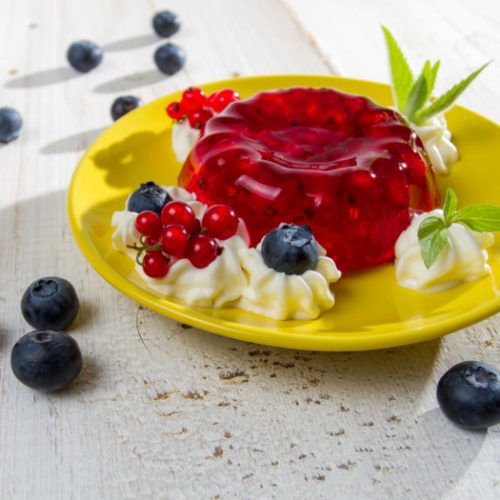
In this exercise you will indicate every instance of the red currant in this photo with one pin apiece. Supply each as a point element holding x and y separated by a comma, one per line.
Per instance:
<point>193,98</point>
<point>151,242</point>
<point>220,100</point>
<point>220,221</point>
<point>178,212</point>
<point>148,223</point>
<point>174,240</point>
<point>199,117</point>
<point>175,110</point>
<point>155,265</point>
<point>202,250</point>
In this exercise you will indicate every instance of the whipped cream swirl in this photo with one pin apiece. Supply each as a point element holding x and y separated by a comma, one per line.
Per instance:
<point>436,138</point>
<point>238,277</point>
<point>463,259</point>
<point>183,139</point>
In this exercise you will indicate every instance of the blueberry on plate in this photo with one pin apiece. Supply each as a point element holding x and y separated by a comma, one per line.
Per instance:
<point>166,23</point>
<point>50,303</point>
<point>10,124</point>
<point>169,58</point>
<point>148,196</point>
<point>469,395</point>
<point>84,55</point>
<point>290,249</point>
<point>46,360</point>
<point>123,105</point>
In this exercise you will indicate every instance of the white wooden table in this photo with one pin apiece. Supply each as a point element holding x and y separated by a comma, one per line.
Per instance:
<point>166,411</point>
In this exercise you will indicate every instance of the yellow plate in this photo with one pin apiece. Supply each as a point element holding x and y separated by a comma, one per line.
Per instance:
<point>372,311</point>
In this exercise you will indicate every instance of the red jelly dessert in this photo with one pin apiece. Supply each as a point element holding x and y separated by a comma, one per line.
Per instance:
<point>351,169</point>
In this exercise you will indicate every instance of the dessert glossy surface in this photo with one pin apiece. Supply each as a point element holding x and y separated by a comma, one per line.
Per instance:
<point>351,169</point>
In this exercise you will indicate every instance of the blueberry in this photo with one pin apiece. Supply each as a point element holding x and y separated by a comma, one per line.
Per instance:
<point>166,23</point>
<point>50,303</point>
<point>290,249</point>
<point>10,124</point>
<point>169,58</point>
<point>148,196</point>
<point>46,360</point>
<point>469,395</point>
<point>123,105</point>
<point>84,56</point>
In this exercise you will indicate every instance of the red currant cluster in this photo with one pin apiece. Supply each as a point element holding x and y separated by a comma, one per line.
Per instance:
<point>198,108</point>
<point>177,234</point>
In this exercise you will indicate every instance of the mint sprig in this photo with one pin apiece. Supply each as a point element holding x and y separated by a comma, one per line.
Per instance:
<point>433,231</point>
<point>413,96</point>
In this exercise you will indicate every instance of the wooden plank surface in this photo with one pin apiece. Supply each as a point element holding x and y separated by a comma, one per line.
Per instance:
<point>161,411</point>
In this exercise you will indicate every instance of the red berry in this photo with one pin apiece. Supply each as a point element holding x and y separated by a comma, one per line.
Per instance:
<point>148,223</point>
<point>220,100</point>
<point>178,212</point>
<point>175,110</point>
<point>155,265</point>
<point>199,117</point>
<point>174,240</point>
<point>151,242</point>
<point>193,98</point>
<point>202,250</point>
<point>220,221</point>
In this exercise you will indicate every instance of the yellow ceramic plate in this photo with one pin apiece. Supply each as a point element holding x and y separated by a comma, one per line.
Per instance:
<point>372,311</point>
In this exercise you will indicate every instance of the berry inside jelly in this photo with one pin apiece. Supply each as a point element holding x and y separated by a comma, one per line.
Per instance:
<point>351,169</point>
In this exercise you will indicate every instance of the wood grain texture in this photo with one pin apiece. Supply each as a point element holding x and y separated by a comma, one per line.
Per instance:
<point>162,411</point>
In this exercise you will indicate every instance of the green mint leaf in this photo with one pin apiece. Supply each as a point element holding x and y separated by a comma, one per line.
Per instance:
<point>430,74</point>
<point>417,96</point>
<point>450,206</point>
<point>447,99</point>
<point>432,238</point>
<point>479,217</point>
<point>402,77</point>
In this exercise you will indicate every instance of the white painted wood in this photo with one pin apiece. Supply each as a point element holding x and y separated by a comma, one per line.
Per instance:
<point>166,412</point>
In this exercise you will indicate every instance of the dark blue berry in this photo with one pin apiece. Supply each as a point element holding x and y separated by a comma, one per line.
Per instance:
<point>123,105</point>
<point>148,196</point>
<point>169,58</point>
<point>166,23</point>
<point>84,56</point>
<point>469,395</point>
<point>10,124</point>
<point>290,249</point>
<point>50,303</point>
<point>46,360</point>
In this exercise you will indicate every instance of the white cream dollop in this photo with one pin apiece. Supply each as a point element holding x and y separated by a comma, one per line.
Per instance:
<point>237,277</point>
<point>463,259</point>
<point>436,138</point>
<point>287,296</point>
<point>183,139</point>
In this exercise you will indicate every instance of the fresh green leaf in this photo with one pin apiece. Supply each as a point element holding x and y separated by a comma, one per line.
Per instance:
<point>430,74</point>
<point>402,77</point>
<point>417,97</point>
<point>450,206</point>
<point>432,238</point>
<point>479,217</point>
<point>447,99</point>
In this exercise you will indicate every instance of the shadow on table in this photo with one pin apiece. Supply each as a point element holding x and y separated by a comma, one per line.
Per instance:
<point>134,42</point>
<point>72,143</point>
<point>43,78</point>
<point>130,82</point>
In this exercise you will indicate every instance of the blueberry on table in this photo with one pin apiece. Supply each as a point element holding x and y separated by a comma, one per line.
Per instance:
<point>84,56</point>
<point>10,124</point>
<point>169,58</point>
<point>469,395</point>
<point>123,105</point>
<point>46,360</point>
<point>148,197</point>
<point>290,249</point>
<point>50,303</point>
<point>166,23</point>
